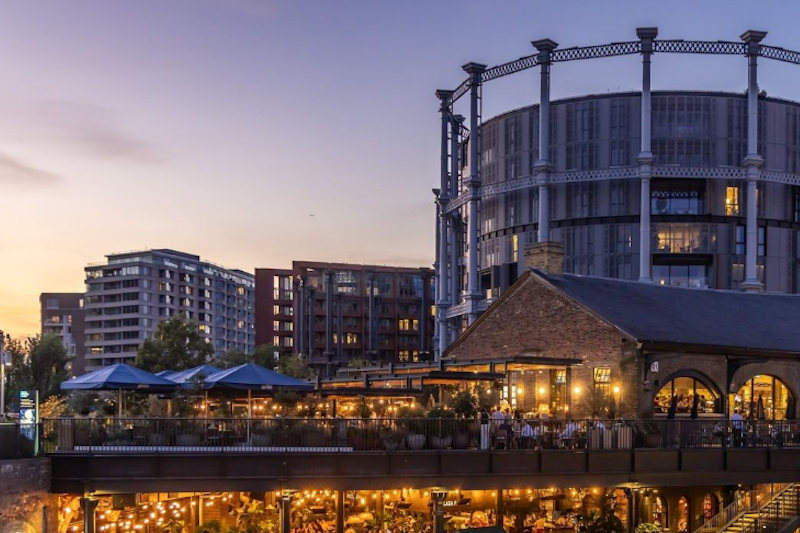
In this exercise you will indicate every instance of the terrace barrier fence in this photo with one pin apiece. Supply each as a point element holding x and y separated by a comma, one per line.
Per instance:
<point>17,442</point>
<point>280,435</point>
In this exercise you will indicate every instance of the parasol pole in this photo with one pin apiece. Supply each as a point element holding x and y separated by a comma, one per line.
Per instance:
<point>119,403</point>
<point>249,413</point>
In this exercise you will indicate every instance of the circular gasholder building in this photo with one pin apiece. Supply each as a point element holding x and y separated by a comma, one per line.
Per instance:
<point>687,188</point>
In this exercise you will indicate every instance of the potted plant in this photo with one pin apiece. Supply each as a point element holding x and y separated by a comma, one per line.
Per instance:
<point>442,430</point>
<point>414,426</point>
<point>465,406</point>
<point>389,438</point>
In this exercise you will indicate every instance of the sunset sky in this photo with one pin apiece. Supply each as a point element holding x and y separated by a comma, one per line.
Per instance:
<point>218,127</point>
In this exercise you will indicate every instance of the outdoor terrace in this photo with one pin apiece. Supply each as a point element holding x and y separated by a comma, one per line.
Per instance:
<point>264,454</point>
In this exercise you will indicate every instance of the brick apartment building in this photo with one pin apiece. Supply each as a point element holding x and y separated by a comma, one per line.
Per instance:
<point>334,312</point>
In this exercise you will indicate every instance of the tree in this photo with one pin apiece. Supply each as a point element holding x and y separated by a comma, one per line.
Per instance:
<point>263,355</point>
<point>37,363</point>
<point>294,365</point>
<point>177,344</point>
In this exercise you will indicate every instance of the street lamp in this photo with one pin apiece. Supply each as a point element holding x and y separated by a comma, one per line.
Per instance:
<point>438,496</point>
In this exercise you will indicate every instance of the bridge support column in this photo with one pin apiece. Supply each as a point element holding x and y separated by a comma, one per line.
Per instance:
<point>752,161</point>
<point>646,36</point>
<point>286,512</point>
<point>543,165</point>
<point>88,505</point>
<point>438,496</point>
<point>339,511</point>
<point>473,183</point>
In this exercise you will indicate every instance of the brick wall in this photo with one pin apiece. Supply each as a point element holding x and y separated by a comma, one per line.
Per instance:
<point>25,497</point>
<point>533,318</point>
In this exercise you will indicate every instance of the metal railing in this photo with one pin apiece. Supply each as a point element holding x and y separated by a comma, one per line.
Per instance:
<point>771,518</point>
<point>746,502</point>
<point>17,442</point>
<point>383,434</point>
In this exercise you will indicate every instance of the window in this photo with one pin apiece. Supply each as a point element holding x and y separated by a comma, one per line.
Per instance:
<point>685,390</point>
<point>677,197</point>
<point>684,238</point>
<point>732,207</point>
<point>602,379</point>
<point>514,248</point>
<point>407,324</point>
<point>740,246</point>
<point>762,397</point>
<point>796,204</point>
<point>694,276</point>
<point>52,303</point>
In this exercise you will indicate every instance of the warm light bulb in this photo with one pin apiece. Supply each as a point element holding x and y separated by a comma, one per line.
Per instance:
<point>577,390</point>
<point>541,390</point>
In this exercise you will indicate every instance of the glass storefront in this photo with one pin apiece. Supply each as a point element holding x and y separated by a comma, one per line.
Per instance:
<point>692,276</point>
<point>763,397</point>
<point>686,390</point>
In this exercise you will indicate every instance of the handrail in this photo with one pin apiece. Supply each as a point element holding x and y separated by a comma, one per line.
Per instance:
<point>768,521</point>
<point>386,434</point>
<point>738,508</point>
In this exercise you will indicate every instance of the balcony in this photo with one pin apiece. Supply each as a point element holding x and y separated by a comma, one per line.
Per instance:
<point>149,454</point>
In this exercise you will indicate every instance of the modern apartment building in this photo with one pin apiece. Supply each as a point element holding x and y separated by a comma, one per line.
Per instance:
<point>131,292</point>
<point>334,312</point>
<point>62,315</point>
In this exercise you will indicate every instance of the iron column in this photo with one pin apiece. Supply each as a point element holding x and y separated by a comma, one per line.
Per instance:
<point>646,36</point>
<point>753,160</point>
<point>473,183</point>
<point>543,165</point>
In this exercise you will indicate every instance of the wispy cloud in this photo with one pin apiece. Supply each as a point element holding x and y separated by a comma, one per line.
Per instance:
<point>88,129</point>
<point>21,176</point>
<point>94,129</point>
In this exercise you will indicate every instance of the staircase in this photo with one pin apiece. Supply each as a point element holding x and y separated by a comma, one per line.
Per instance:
<point>770,510</point>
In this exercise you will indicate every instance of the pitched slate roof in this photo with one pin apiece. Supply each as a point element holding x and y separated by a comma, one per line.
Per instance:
<point>659,314</point>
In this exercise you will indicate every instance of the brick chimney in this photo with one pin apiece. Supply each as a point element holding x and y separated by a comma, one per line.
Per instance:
<point>546,256</point>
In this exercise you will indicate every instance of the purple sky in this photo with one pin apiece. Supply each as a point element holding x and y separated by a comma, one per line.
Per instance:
<point>219,126</point>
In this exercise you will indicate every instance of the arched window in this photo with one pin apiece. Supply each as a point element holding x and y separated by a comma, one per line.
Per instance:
<point>762,397</point>
<point>686,388</point>
<point>710,506</point>
<point>684,515</point>
<point>659,512</point>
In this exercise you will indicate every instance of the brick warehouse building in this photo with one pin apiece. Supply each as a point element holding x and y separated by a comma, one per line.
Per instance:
<point>640,343</point>
<point>324,311</point>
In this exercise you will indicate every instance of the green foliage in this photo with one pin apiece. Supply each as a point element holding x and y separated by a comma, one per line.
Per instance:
<point>37,363</point>
<point>610,524</point>
<point>648,527</point>
<point>263,355</point>
<point>596,403</point>
<point>214,526</point>
<point>465,404</point>
<point>177,344</point>
<point>288,400</point>
<point>81,402</point>
<point>441,412</point>
<point>358,362</point>
<point>295,366</point>
<point>362,408</point>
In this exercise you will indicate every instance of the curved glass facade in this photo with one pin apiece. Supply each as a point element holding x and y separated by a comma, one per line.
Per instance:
<point>697,228</point>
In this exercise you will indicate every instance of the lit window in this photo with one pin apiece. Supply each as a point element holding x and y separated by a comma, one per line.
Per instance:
<point>602,379</point>
<point>732,201</point>
<point>514,248</point>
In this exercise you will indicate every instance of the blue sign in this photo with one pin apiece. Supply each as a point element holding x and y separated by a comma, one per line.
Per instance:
<point>28,413</point>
